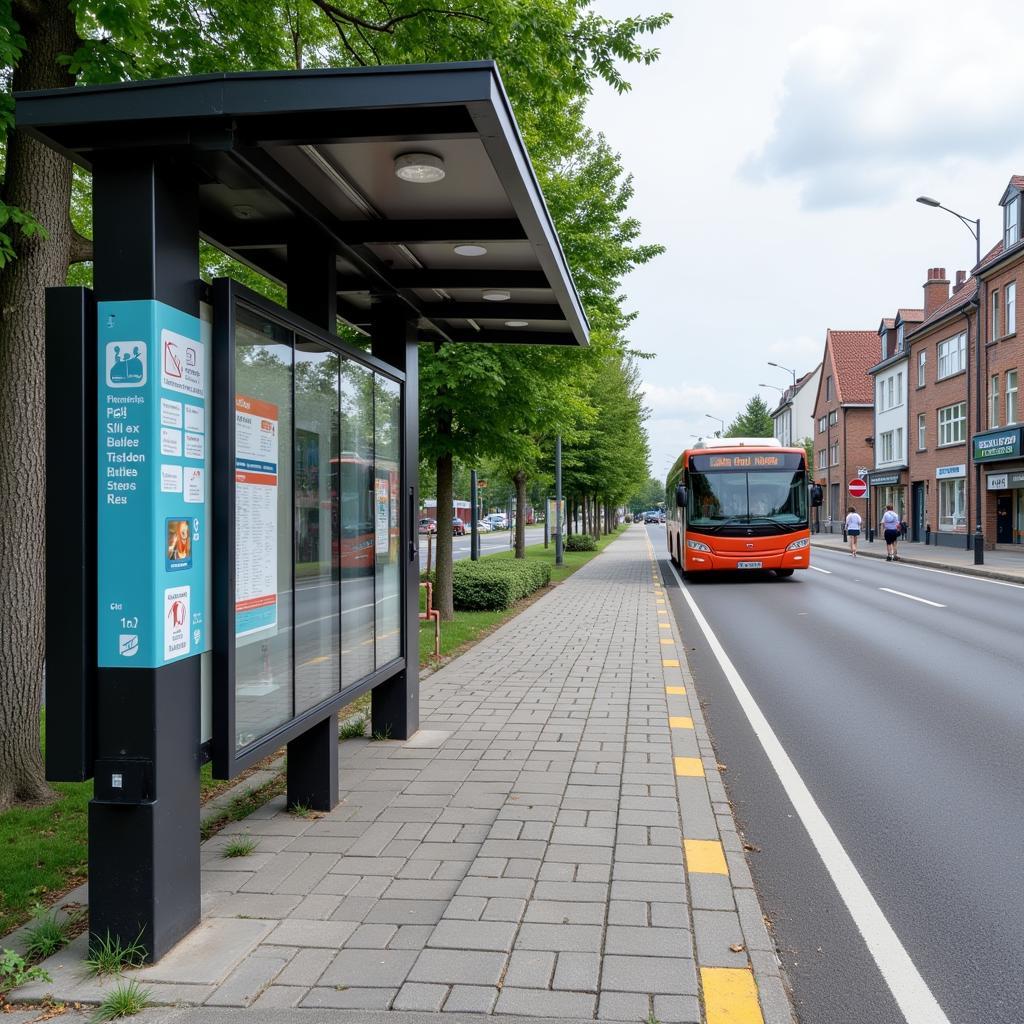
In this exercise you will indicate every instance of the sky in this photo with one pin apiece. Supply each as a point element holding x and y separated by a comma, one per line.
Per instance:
<point>777,150</point>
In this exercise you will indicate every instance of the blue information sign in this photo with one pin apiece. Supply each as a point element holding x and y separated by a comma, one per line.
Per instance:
<point>153,466</point>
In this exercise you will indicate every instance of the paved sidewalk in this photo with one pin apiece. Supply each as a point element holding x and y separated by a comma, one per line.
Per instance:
<point>555,843</point>
<point>999,565</point>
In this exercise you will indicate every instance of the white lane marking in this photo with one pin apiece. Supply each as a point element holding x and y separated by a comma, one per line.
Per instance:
<point>911,597</point>
<point>944,572</point>
<point>818,568</point>
<point>912,995</point>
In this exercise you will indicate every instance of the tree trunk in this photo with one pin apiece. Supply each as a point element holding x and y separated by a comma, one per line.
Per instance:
<point>443,584</point>
<point>37,180</point>
<point>519,479</point>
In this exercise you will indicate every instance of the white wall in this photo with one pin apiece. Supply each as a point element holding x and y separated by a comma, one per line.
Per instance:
<point>892,418</point>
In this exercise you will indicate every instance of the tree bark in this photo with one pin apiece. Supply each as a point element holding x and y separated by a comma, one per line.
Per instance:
<point>519,479</point>
<point>443,585</point>
<point>37,180</point>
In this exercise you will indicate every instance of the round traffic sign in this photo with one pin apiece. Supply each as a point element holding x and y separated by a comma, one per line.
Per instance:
<point>858,488</point>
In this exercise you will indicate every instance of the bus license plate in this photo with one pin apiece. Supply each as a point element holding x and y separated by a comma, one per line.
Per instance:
<point>749,565</point>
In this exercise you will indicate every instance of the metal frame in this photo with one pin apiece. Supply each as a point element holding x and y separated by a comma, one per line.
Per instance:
<point>227,295</point>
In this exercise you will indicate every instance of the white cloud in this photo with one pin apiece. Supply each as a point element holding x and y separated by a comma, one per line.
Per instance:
<point>883,91</point>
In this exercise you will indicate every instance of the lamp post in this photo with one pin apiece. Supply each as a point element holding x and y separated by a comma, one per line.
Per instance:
<point>717,419</point>
<point>779,366</point>
<point>974,226</point>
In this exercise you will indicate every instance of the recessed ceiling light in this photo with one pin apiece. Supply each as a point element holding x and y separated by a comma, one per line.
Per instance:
<point>470,250</point>
<point>420,168</point>
<point>517,323</point>
<point>497,296</point>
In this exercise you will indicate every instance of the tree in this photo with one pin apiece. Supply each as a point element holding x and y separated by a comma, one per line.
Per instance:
<point>754,421</point>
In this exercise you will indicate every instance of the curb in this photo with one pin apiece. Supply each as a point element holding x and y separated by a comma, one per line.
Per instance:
<point>960,570</point>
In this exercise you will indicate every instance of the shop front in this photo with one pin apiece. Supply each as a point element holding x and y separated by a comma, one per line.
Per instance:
<point>1004,487</point>
<point>951,492</point>
<point>888,487</point>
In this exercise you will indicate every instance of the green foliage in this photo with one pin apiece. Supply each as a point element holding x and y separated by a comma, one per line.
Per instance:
<point>354,728</point>
<point>808,446</point>
<point>107,956</point>
<point>300,809</point>
<point>240,847</point>
<point>125,1000</point>
<point>48,934</point>
<point>580,542</point>
<point>754,421</point>
<point>492,584</point>
<point>14,972</point>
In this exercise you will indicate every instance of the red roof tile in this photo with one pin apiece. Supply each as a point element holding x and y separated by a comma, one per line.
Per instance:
<point>910,315</point>
<point>959,298</point>
<point>853,353</point>
<point>1016,181</point>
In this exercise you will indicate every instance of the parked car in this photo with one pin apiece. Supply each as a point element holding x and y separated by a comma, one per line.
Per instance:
<point>458,527</point>
<point>654,516</point>
<point>496,520</point>
<point>483,526</point>
<point>428,525</point>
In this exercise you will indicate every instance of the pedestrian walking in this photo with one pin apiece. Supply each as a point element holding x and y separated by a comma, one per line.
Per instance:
<point>891,529</point>
<point>853,529</point>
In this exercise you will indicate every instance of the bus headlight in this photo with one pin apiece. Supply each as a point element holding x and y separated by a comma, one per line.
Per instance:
<point>797,544</point>
<point>696,545</point>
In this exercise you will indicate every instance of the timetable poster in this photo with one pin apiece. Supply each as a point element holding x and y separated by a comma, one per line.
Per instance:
<point>256,473</point>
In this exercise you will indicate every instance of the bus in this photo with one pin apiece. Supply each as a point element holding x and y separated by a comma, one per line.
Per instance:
<point>739,503</point>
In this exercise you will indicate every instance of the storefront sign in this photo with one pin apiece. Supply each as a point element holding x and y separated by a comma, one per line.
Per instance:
<point>998,444</point>
<point>884,479</point>
<point>998,481</point>
<point>949,472</point>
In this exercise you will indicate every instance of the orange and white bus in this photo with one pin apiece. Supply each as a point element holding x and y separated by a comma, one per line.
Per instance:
<point>739,503</point>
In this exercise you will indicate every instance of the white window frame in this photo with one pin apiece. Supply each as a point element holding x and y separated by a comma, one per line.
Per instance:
<point>952,424</point>
<point>899,338</point>
<point>922,362</point>
<point>885,440</point>
<point>1012,398</point>
<point>952,505</point>
<point>899,444</point>
<point>833,417</point>
<point>993,401</point>
<point>822,458</point>
<point>835,453</point>
<point>993,332</point>
<point>1010,307</point>
<point>1011,221</point>
<point>952,356</point>
<point>922,431</point>
<point>822,422</point>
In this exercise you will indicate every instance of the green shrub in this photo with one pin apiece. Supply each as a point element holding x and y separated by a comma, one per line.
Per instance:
<point>495,584</point>
<point>580,542</point>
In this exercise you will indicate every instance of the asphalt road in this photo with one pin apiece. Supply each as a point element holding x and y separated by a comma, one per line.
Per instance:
<point>904,715</point>
<point>490,543</point>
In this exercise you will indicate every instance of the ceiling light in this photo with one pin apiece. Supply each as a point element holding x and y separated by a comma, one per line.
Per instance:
<point>497,296</point>
<point>420,168</point>
<point>470,250</point>
<point>517,323</point>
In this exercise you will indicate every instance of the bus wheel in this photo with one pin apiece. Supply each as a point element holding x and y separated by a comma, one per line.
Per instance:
<point>783,573</point>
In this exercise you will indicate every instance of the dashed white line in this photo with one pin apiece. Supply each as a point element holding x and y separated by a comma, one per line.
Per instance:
<point>909,989</point>
<point>941,572</point>
<point>818,568</point>
<point>911,597</point>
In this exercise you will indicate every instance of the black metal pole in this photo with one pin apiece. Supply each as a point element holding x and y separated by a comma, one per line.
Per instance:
<point>547,522</point>
<point>474,518</point>
<point>979,540</point>
<point>559,556</point>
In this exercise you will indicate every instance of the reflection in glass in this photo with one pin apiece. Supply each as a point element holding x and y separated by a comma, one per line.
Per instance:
<point>263,527</point>
<point>317,632</point>
<point>357,524</point>
<point>386,520</point>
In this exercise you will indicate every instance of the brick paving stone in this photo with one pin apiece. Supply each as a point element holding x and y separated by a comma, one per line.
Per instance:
<point>492,935</point>
<point>646,941</point>
<point>530,1002</point>
<point>715,931</point>
<point>370,968</point>
<point>624,1006</point>
<point>577,972</point>
<point>350,998</point>
<point>471,999</point>
<point>530,969</point>
<point>677,1010</point>
<point>577,937</point>
<point>416,995</point>
<point>654,974</point>
<point>454,967</point>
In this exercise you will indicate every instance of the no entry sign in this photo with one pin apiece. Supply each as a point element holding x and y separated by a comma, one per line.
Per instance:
<point>858,488</point>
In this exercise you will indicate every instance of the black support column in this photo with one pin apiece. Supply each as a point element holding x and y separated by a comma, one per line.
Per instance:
<point>312,293</point>
<point>144,846</point>
<point>395,709</point>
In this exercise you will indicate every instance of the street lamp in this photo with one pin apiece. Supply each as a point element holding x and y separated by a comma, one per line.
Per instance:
<point>974,226</point>
<point>779,366</point>
<point>774,387</point>
<point>717,419</point>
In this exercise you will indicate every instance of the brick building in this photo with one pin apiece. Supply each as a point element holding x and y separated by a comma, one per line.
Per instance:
<point>843,418</point>
<point>939,407</point>
<point>997,448</point>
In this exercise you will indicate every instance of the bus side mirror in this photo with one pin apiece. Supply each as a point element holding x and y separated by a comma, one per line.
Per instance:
<point>680,496</point>
<point>817,496</point>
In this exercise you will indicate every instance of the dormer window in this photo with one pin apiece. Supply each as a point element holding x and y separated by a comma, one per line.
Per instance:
<point>1011,221</point>
<point>899,338</point>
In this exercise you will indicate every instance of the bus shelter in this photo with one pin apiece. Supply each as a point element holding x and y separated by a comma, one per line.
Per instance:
<point>232,487</point>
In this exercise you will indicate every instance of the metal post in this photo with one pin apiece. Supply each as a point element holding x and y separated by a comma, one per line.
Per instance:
<point>474,518</point>
<point>547,521</point>
<point>559,555</point>
<point>979,540</point>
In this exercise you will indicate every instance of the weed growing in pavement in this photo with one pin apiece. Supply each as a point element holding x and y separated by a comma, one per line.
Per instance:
<point>240,847</point>
<point>14,972</point>
<point>49,934</point>
<point>107,955</point>
<point>354,728</point>
<point>243,805</point>
<point>300,810</point>
<point>125,1000</point>
<point>382,734</point>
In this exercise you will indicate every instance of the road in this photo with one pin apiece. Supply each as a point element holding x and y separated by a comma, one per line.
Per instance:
<point>497,540</point>
<point>898,694</point>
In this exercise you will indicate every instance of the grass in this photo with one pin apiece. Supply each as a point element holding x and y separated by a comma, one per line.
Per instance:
<point>355,728</point>
<point>126,1000</point>
<point>468,627</point>
<point>49,934</point>
<point>107,956</point>
<point>242,805</point>
<point>240,847</point>
<point>300,810</point>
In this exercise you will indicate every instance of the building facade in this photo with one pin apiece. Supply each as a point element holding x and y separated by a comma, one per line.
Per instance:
<point>793,417</point>
<point>843,420</point>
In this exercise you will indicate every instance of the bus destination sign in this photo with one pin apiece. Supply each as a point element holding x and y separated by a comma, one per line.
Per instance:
<point>745,461</point>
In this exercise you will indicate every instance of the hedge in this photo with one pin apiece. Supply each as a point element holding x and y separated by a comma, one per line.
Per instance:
<point>495,584</point>
<point>580,542</point>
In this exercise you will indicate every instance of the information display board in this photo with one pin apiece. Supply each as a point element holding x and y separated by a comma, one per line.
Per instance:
<point>153,468</point>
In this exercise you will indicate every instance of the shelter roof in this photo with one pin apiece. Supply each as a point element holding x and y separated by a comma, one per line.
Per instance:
<point>278,155</point>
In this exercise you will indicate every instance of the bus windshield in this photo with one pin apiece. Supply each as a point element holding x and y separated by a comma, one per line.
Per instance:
<point>760,497</point>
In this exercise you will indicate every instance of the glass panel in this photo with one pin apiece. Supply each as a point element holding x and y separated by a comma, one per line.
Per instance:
<point>387,505</point>
<point>317,623</point>
<point>263,527</point>
<point>355,480</point>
